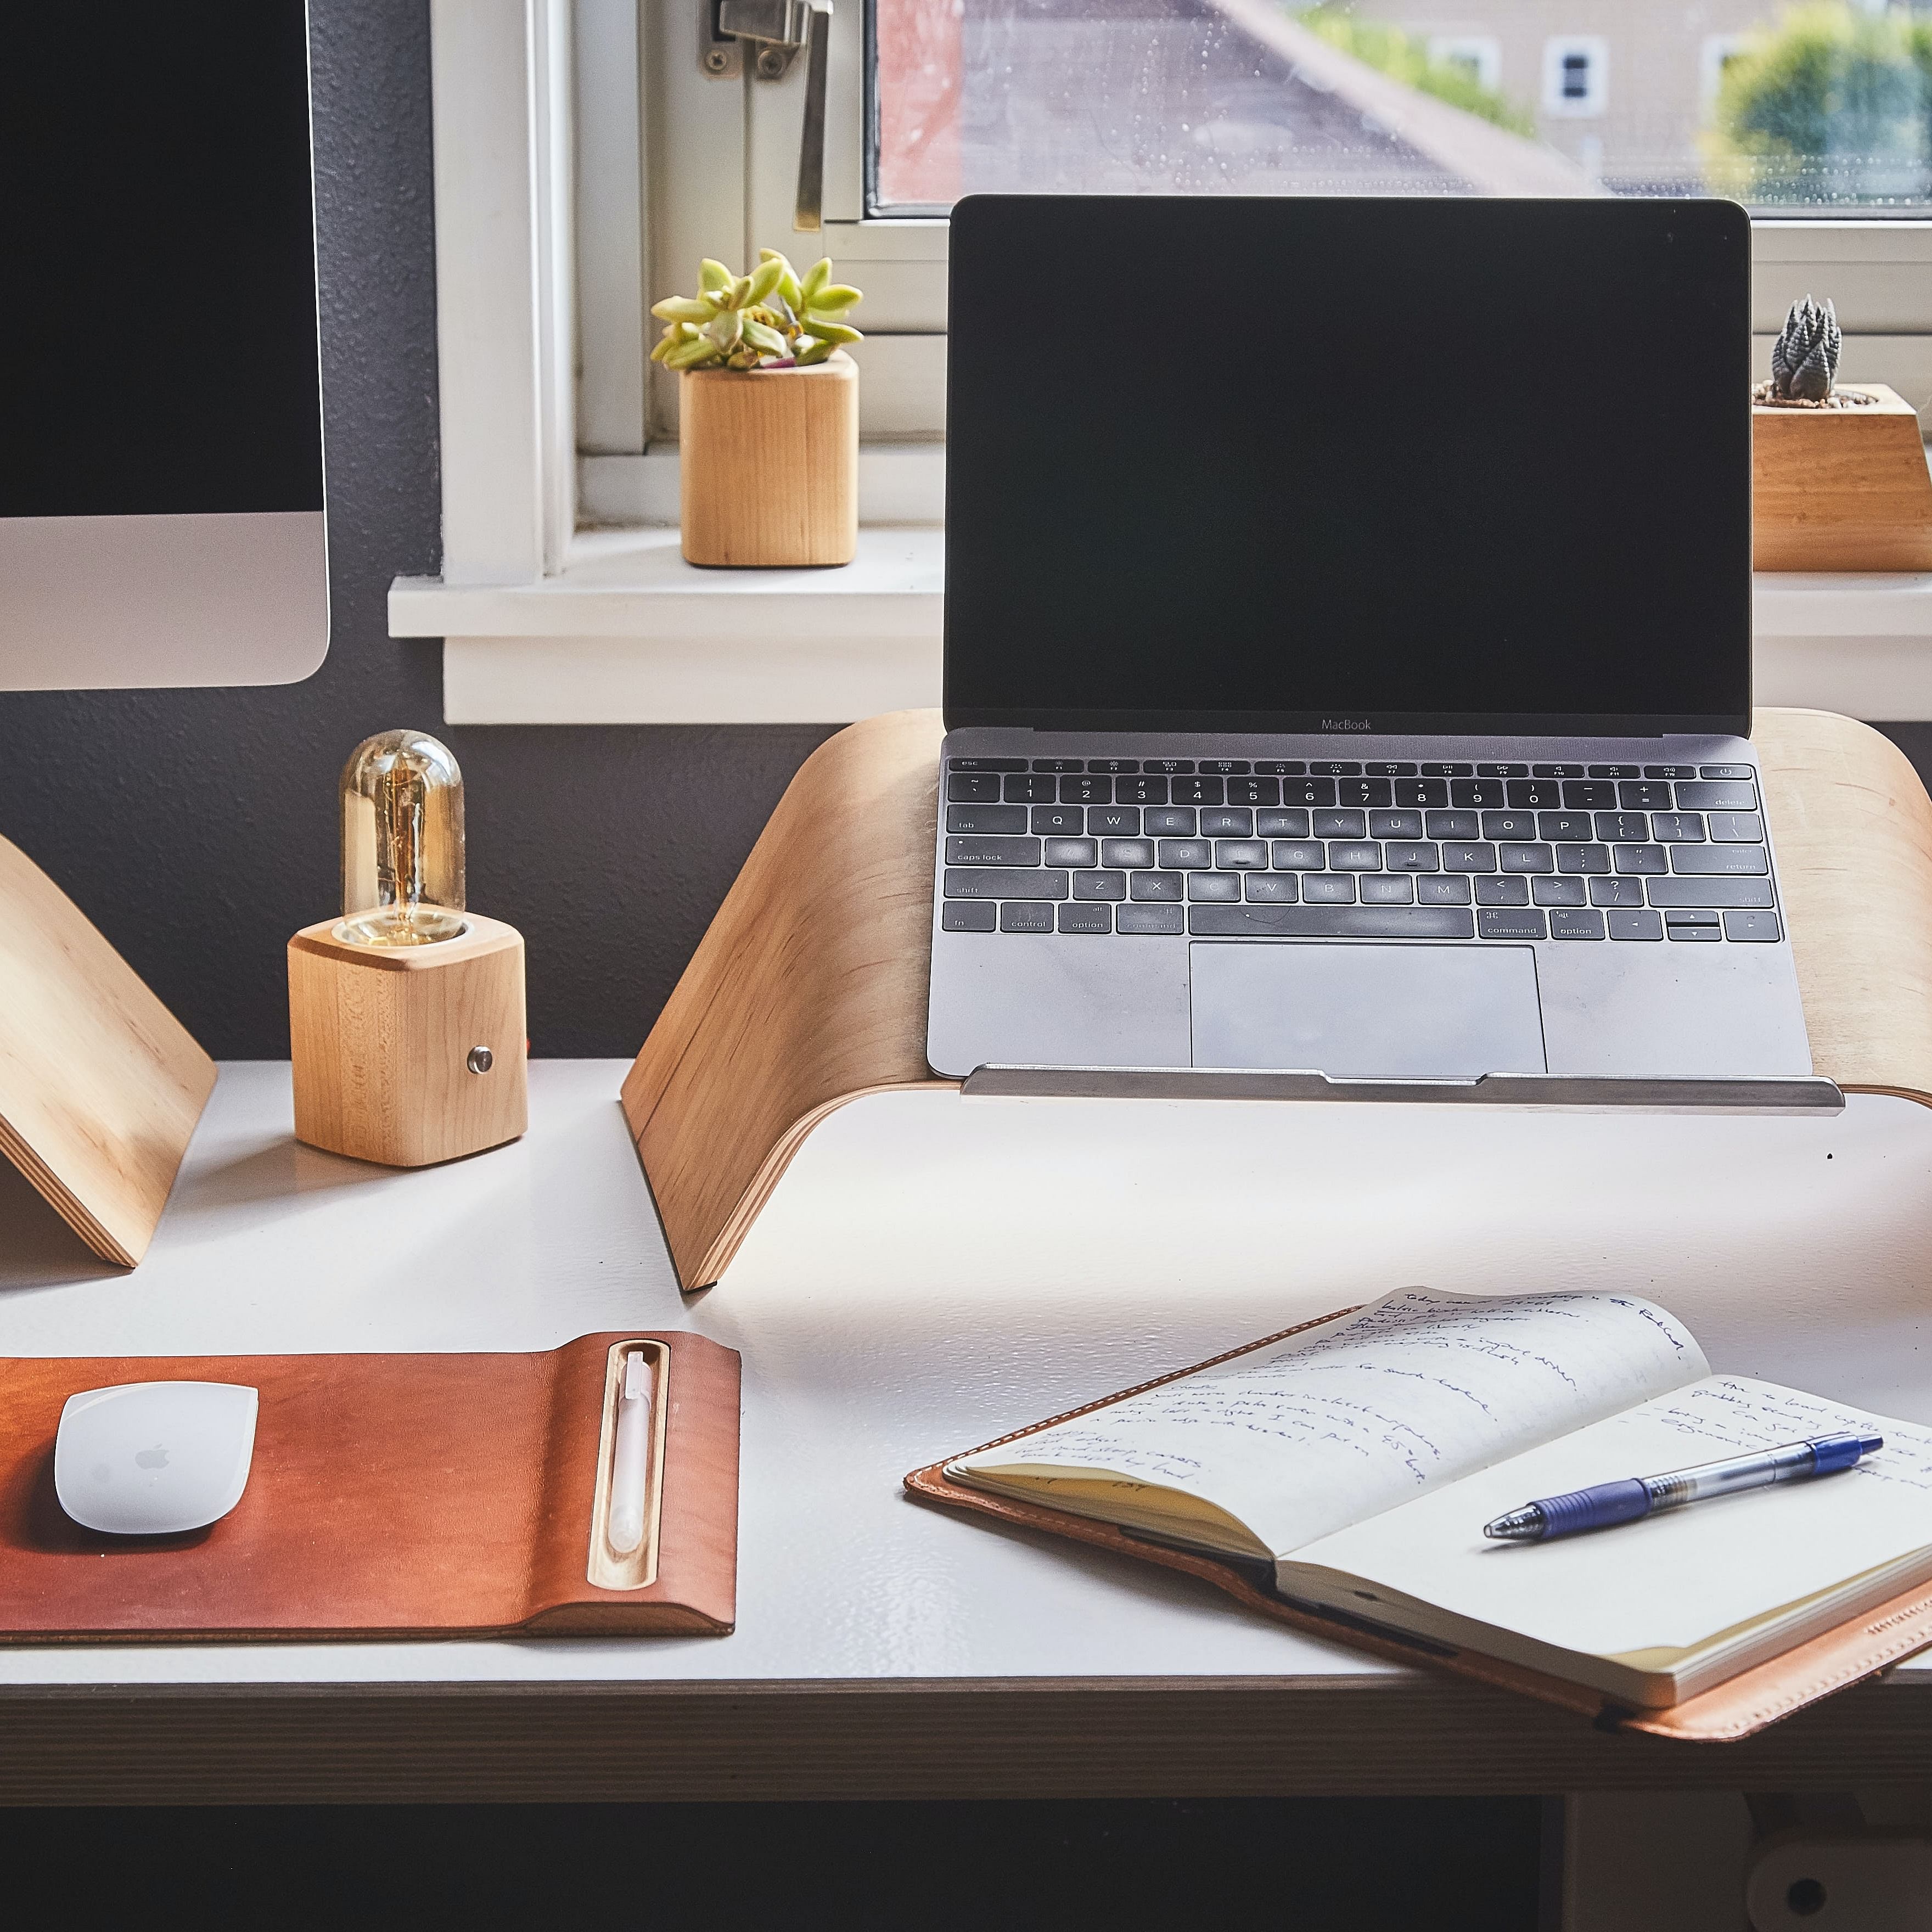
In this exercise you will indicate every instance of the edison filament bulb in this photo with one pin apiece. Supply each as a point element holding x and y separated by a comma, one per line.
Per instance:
<point>402,842</point>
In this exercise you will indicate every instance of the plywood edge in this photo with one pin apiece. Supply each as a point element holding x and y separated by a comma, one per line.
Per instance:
<point>1923,1097</point>
<point>64,1203</point>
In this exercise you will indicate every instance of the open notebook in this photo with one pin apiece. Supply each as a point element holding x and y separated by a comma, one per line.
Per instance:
<point>1360,1459</point>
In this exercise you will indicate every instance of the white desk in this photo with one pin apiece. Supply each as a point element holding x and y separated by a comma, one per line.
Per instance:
<point>883,1649</point>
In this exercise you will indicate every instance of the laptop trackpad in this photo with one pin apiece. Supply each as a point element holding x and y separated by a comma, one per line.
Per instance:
<point>1368,1011</point>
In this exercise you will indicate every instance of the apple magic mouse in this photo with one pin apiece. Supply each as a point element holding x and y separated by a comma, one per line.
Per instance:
<point>153,1459</point>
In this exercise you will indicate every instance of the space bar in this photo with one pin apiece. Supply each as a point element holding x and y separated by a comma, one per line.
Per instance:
<point>1280,922</point>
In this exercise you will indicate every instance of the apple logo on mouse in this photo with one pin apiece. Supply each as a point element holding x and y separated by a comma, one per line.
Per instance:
<point>194,1443</point>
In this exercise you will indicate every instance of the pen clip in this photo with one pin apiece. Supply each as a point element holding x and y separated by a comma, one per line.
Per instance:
<point>636,1379</point>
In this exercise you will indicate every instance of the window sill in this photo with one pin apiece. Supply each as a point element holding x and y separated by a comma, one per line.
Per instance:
<point>629,633</point>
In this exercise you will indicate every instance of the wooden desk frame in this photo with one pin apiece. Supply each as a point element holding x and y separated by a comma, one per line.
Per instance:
<point>1380,1735</point>
<point>809,990</point>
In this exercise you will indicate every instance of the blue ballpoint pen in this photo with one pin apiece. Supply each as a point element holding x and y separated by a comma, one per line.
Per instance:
<point>1605,1504</point>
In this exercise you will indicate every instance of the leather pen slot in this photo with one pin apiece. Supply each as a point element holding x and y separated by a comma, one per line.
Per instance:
<point>612,1567</point>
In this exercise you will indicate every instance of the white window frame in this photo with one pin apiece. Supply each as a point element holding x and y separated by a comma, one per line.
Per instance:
<point>548,222</point>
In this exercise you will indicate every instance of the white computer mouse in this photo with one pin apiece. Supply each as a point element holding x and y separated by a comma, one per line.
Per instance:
<point>153,1459</point>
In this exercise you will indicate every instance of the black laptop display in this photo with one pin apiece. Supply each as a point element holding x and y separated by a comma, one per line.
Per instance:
<point>1220,463</point>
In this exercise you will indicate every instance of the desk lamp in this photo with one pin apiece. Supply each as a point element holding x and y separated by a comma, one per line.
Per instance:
<point>406,1015</point>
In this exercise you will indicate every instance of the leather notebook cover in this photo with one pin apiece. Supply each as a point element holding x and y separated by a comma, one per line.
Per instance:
<point>1859,1648</point>
<point>390,1495</point>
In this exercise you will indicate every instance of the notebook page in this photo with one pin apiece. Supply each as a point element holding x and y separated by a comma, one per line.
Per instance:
<point>1367,1412</point>
<point>1671,1581</point>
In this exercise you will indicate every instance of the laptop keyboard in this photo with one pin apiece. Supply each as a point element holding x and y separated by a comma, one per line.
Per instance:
<point>1235,848</point>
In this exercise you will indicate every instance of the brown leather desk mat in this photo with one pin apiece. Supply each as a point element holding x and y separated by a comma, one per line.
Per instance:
<point>1860,1648</point>
<point>390,1495</point>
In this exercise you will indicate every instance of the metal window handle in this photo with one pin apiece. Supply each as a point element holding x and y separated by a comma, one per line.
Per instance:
<point>778,28</point>
<point>809,212</point>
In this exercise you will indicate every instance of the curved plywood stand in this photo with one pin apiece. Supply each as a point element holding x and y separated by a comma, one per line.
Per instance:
<point>100,1086</point>
<point>809,989</point>
<point>1853,827</point>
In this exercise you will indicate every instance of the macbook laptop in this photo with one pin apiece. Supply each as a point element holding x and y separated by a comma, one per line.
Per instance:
<point>1347,643</point>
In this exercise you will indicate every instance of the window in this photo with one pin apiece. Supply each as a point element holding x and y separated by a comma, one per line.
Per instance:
<point>1576,76</point>
<point>934,99</point>
<point>587,156</point>
<point>1825,106</point>
<point>640,160</point>
<point>1479,56</point>
<point>1714,57</point>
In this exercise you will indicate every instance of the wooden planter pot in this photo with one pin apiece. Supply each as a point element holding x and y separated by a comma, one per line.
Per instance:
<point>1841,489</point>
<point>768,464</point>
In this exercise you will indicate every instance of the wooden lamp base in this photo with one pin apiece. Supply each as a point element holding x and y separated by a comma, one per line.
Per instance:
<point>408,1055</point>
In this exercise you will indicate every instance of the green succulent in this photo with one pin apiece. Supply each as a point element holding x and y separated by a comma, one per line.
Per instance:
<point>771,319</point>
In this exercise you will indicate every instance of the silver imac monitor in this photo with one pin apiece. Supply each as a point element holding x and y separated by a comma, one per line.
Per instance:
<point>161,518</point>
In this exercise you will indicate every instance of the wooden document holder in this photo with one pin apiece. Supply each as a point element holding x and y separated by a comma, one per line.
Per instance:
<point>809,990</point>
<point>408,1055</point>
<point>100,1086</point>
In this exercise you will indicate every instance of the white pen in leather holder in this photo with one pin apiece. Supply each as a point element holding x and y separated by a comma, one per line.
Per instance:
<point>627,1512</point>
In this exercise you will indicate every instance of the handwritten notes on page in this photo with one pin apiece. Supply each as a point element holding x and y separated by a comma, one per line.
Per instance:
<point>1670,1582</point>
<point>1368,1411</point>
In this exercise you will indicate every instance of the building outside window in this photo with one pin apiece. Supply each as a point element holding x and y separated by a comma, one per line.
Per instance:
<point>1825,105</point>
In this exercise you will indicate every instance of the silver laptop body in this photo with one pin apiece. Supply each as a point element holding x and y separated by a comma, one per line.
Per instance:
<point>1509,947</point>
<point>1321,729</point>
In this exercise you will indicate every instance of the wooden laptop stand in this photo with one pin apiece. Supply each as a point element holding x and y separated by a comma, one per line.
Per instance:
<point>809,990</point>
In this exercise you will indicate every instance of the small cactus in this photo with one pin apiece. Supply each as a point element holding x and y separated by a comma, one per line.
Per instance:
<point>771,319</point>
<point>1804,358</point>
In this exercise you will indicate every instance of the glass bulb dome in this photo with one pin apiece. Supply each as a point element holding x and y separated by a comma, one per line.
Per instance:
<point>402,842</point>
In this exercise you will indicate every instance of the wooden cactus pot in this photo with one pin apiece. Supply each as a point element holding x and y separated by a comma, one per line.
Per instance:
<point>769,465</point>
<point>1841,489</point>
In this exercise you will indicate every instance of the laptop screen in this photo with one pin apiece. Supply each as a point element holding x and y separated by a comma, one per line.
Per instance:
<point>1278,464</point>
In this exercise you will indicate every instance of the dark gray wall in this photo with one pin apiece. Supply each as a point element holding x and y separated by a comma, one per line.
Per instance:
<point>197,828</point>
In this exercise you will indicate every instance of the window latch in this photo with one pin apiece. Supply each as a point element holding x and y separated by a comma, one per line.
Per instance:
<point>778,29</point>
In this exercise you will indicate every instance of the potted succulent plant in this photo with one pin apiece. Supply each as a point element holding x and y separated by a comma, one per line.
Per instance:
<point>768,414</point>
<point>1838,474</point>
